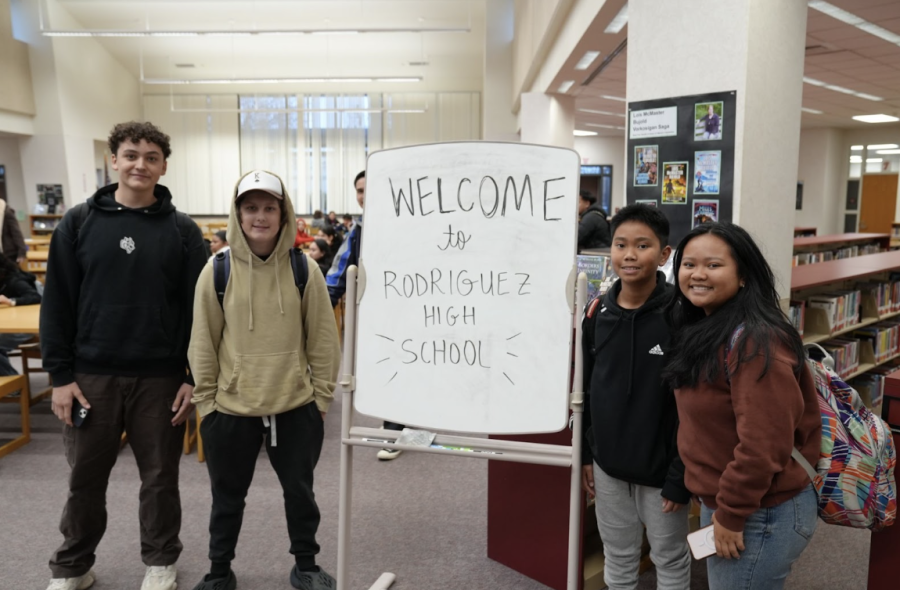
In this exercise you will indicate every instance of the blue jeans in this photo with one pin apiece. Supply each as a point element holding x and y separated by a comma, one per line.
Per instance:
<point>773,539</point>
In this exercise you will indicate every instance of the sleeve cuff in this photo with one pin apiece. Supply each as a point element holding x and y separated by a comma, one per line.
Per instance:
<point>730,521</point>
<point>676,493</point>
<point>62,379</point>
<point>205,408</point>
<point>322,404</point>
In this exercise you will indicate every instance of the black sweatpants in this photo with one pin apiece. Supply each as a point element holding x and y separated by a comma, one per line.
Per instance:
<point>232,446</point>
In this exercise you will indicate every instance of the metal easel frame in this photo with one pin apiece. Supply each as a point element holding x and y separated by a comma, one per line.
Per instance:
<point>521,452</point>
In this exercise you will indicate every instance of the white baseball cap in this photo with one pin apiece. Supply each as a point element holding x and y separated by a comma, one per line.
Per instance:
<point>260,180</point>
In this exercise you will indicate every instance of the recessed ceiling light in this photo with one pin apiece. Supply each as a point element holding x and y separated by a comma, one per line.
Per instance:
<point>586,60</point>
<point>618,98</point>
<point>619,21</point>
<point>856,148</point>
<point>836,88</point>
<point>876,118</point>
<point>857,21</point>
<point>596,112</point>
<point>888,152</point>
<point>882,146</point>
<point>564,87</point>
<point>581,133</point>
<point>812,111</point>
<point>874,160</point>
<point>161,81</point>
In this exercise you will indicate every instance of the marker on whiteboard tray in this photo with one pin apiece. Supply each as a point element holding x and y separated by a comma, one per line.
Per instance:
<point>467,449</point>
<point>378,440</point>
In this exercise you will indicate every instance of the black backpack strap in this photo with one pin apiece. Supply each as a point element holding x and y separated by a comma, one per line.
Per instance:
<point>185,225</point>
<point>221,272</point>
<point>80,213</point>
<point>300,265</point>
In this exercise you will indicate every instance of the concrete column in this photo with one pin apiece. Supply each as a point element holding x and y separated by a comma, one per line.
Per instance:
<point>547,119</point>
<point>755,47</point>
<point>498,120</point>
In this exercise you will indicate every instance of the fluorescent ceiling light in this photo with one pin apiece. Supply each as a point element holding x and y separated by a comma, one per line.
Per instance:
<point>564,87</point>
<point>888,152</point>
<point>596,112</point>
<point>158,81</point>
<point>813,111</point>
<point>856,159</point>
<point>836,88</point>
<point>586,60</point>
<point>874,160</point>
<point>882,146</point>
<point>608,97</point>
<point>619,21</point>
<point>244,32</point>
<point>603,126</point>
<point>856,21</point>
<point>876,118</point>
<point>856,148</point>
<point>580,133</point>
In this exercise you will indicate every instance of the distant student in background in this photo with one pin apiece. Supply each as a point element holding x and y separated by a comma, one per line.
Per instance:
<point>318,220</point>
<point>347,256</point>
<point>333,238</point>
<point>744,408</point>
<point>347,222</point>
<point>318,251</point>
<point>219,242</point>
<point>630,458</point>
<point>332,219</point>
<point>16,289</point>
<point>593,226</point>
<point>265,360</point>
<point>12,244</point>
<point>302,236</point>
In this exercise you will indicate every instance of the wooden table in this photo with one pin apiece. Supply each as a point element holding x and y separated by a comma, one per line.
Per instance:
<point>21,319</point>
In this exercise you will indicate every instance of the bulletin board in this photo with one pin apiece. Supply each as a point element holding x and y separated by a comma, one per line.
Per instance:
<point>681,158</point>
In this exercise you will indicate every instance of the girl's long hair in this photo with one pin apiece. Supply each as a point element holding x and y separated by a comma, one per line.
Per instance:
<point>698,338</point>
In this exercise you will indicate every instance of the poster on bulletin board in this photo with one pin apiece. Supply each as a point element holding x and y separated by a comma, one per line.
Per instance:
<point>682,152</point>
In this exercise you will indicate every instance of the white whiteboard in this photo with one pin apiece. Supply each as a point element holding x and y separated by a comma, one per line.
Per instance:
<point>471,339</point>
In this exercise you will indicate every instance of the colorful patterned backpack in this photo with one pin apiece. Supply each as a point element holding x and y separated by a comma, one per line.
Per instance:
<point>854,477</point>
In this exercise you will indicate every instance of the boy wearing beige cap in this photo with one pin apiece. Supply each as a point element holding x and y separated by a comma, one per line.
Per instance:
<point>265,362</point>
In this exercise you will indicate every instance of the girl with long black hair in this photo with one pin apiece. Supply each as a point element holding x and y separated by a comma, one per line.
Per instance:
<point>745,400</point>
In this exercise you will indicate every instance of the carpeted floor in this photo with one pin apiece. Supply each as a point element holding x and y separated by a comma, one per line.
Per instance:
<point>421,517</point>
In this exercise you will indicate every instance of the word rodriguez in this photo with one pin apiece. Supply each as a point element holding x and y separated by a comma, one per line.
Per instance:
<point>456,282</point>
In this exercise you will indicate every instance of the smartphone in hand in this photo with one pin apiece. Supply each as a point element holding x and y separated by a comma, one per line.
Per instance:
<point>79,413</point>
<point>702,542</point>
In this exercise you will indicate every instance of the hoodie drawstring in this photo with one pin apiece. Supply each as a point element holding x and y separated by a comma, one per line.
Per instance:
<point>273,434</point>
<point>250,289</point>
<point>631,361</point>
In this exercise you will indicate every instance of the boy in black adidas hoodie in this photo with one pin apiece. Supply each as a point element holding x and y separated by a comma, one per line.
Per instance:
<point>630,460</point>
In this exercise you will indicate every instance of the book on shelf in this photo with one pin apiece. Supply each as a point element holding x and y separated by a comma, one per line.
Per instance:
<point>841,308</point>
<point>797,314</point>
<point>845,352</point>
<point>598,270</point>
<point>802,258</point>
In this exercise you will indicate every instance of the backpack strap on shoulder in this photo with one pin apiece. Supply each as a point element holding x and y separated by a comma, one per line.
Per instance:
<point>300,266</point>
<point>80,213</point>
<point>185,224</point>
<point>221,272</point>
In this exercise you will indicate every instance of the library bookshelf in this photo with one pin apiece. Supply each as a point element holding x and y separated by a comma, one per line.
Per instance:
<point>816,249</point>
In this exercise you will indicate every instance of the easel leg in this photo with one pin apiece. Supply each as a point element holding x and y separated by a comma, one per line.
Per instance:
<point>576,570</point>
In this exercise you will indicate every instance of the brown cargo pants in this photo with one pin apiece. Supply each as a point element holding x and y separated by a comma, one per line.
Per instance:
<point>142,407</point>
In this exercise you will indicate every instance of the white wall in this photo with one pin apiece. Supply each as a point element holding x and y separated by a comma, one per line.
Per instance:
<point>822,169</point>
<point>606,150</point>
<point>874,134</point>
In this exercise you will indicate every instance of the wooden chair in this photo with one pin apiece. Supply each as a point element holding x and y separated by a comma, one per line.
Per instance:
<point>339,318</point>
<point>31,351</point>
<point>8,386</point>
<point>194,437</point>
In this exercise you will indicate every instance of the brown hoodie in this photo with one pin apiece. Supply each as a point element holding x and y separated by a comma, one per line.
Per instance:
<point>266,350</point>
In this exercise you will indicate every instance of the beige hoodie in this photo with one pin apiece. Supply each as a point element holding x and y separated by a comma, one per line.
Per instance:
<point>268,351</point>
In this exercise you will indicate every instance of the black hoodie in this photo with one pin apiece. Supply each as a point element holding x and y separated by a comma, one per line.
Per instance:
<point>120,289</point>
<point>630,418</point>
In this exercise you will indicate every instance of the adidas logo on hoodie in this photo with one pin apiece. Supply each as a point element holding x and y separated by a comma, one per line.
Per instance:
<point>656,350</point>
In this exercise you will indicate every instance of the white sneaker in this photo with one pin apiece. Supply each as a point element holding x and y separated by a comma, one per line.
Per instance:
<point>160,577</point>
<point>79,583</point>
<point>388,454</point>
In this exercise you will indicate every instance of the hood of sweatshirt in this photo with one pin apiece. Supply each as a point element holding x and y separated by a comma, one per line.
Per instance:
<point>105,200</point>
<point>242,255</point>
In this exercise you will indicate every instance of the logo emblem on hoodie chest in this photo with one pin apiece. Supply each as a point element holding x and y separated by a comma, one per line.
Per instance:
<point>127,244</point>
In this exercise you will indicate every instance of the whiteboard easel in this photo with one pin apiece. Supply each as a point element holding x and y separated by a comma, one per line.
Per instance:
<point>497,450</point>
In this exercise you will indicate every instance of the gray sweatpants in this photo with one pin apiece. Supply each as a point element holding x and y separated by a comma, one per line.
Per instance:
<point>623,510</point>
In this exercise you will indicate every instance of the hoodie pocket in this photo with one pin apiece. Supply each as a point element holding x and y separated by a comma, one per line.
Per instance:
<point>125,333</point>
<point>260,379</point>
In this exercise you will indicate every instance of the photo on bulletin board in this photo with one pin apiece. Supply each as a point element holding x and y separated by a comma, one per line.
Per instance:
<point>707,172</point>
<point>648,202</point>
<point>646,159</point>
<point>675,183</point>
<point>705,211</point>
<point>708,120</point>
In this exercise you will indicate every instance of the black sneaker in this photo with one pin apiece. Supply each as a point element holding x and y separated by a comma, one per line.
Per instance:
<point>228,583</point>
<point>317,580</point>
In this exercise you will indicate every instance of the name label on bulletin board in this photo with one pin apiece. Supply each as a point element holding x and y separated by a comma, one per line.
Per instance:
<point>662,122</point>
<point>465,323</point>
